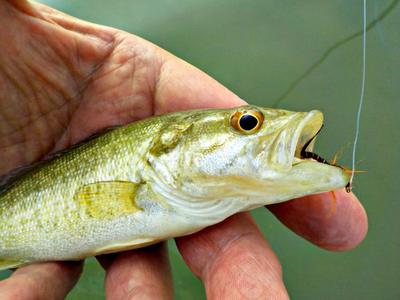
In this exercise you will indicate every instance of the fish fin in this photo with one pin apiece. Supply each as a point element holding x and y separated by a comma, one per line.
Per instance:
<point>8,264</point>
<point>108,199</point>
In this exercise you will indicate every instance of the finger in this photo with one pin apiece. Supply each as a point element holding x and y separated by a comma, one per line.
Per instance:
<point>335,220</point>
<point>234,261</point>
<point>138,274</point>
<point>50,280</point>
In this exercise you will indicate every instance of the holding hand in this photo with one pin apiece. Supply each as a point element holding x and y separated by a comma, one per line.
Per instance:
<point>63,79</point>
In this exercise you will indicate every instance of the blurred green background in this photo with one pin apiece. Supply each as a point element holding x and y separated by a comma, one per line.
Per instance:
<point>257,48</point>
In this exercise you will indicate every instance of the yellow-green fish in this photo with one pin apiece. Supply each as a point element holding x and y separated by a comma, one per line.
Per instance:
<point>159,178</point>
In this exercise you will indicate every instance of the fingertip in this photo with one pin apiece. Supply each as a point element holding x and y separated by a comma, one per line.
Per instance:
<point>353,222</point>
<point>335,221</point>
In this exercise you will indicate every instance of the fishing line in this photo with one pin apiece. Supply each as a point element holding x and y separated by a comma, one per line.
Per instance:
<point>362,94</point>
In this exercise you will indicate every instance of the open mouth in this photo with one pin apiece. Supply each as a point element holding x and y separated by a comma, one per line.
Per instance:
<point>305,143</point>
<point>306,153</point>
<point>307,131</point>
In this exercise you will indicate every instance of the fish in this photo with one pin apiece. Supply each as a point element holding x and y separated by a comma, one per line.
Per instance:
<point>159,178</point>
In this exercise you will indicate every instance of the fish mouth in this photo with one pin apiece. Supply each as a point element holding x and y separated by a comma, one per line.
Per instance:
<point>299,171</point>
<point>306,153</point>
<point>309,129</point>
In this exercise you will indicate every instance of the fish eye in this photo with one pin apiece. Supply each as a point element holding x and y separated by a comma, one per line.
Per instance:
<point>247,122</point>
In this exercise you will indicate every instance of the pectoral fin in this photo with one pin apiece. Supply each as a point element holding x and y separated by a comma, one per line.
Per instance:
<point>108,199</point>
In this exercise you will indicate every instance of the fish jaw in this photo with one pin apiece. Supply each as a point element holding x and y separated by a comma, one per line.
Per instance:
<point>305,178</point>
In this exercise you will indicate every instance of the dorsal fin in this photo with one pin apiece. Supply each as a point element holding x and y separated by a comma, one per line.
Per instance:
<point>8,180</point>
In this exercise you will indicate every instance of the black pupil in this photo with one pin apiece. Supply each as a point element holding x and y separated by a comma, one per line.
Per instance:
<point>248,122</point>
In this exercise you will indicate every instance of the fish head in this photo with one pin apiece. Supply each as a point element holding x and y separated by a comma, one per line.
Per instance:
<point>259,155</point>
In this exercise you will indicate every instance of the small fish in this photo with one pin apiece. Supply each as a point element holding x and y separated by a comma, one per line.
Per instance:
<point>159,178</point>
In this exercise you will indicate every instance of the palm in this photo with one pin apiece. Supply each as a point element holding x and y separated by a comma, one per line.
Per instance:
<point>111,79</point>
<point>72,79</point>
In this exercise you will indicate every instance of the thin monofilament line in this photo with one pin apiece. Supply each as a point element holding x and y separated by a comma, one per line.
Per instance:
<point>360,105</point>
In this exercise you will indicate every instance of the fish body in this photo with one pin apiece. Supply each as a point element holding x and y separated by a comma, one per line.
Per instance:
<point>159,178</point>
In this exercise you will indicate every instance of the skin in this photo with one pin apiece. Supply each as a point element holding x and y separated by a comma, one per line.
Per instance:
<point>61,80</point>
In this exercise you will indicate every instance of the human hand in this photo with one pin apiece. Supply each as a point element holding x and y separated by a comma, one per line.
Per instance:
<point>61,80</point>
